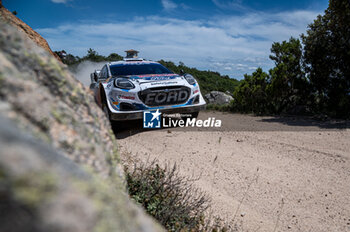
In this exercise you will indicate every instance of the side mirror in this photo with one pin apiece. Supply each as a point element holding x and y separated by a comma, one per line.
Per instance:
<point>182,72</point>
<point>96,75</point>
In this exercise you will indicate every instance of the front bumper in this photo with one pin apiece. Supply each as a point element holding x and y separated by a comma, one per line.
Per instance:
<point>133,115</point>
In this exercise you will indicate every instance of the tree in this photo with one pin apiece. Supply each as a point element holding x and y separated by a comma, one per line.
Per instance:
<point>67,58</point>
<point>250,95</point>
<point>288,86</point>
<point>327,55</point>
<point>114,57</point>
<point>93,56</point>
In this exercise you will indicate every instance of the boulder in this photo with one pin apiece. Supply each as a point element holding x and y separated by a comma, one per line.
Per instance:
<point>59,163</point>
<point>219,98</point>
<point>42,190</point>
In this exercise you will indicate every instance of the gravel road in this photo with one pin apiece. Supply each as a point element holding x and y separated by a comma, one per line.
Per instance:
<point>264,173</point>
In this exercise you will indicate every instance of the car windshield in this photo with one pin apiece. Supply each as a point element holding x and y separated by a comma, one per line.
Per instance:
<point>138,69</point>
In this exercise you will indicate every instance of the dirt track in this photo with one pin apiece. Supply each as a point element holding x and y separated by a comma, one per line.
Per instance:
<point>268,174</point>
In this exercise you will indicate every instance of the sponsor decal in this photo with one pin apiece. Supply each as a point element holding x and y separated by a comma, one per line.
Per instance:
<point>156,77</point>
<point>166,97</point>
<point>126,97</point>
<point>133,63</point>
<point>160,78</point>
<point>164,83</point>
<point>151,119</point>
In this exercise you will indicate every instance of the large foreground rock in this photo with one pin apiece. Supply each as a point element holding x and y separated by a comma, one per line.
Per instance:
<point>219,98</point>
<point>41,190</point>
<point>64,174</point>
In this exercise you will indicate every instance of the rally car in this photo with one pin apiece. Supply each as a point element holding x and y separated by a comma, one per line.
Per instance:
<point>125,89</point>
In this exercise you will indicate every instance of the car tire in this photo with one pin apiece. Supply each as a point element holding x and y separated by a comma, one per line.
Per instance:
<point>106,111</point>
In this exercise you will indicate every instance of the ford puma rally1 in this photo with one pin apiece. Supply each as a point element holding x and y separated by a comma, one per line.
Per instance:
<point>125,89</point>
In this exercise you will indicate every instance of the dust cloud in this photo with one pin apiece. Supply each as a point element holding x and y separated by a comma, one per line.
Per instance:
<point>82,71</point>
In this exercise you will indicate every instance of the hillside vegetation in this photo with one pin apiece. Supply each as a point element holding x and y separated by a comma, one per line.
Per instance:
<point>208,80</point>
<point>309,77</point>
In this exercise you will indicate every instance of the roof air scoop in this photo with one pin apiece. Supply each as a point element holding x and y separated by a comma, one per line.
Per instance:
<point>132,55</point>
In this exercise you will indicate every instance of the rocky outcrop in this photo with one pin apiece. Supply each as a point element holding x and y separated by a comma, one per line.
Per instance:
<point>8,17</point>
<point>64,174</point>
<point>41,190</point>
<point>219,98</point>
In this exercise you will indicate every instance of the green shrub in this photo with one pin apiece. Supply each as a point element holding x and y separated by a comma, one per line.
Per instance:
<point>171,198</point>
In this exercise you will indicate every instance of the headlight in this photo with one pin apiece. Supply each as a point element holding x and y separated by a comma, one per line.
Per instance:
<point>190,79</point>
<point>123,83</point>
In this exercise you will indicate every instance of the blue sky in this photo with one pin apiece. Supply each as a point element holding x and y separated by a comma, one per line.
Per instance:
<point>232,37</point>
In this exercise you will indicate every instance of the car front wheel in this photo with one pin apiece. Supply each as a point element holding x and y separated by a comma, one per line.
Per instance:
<point>106,111</point>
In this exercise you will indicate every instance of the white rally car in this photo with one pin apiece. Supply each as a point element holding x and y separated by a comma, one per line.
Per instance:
<point>125,89</point>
